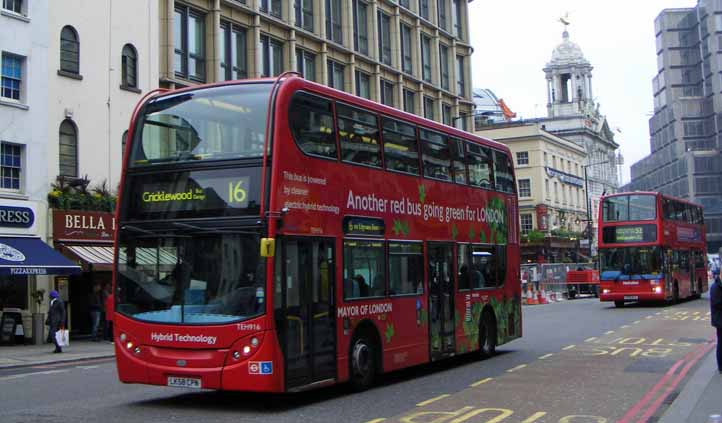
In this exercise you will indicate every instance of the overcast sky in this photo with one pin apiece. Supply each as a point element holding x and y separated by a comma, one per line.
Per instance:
<point>514,39</point>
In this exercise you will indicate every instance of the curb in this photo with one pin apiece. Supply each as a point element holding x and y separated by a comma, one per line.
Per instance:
<point>683,406</point>
<point>56,361</point>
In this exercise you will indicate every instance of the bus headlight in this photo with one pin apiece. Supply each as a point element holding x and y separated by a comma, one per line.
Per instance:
<point>605,291</point>
<point>657,289</point>
<point>246,346</point>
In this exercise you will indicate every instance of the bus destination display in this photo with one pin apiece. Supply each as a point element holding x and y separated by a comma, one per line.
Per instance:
<point>628,234</point>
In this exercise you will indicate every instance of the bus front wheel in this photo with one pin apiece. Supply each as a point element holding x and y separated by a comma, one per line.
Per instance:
<point>363,363</point>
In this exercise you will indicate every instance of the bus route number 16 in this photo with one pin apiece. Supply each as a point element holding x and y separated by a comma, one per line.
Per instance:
<point>236,192</point>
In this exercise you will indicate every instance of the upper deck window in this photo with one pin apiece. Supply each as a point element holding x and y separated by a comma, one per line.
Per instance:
<point>359,135</point>
<point>311,121</point>
<point>219,123</point>
<point>436,156</point>
<point>400,148</point>
<point>629,208</point>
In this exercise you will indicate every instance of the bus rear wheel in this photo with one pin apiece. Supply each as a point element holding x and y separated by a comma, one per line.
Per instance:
<point>363,363</point>
<point>487,336</point>
<point>619,304</point>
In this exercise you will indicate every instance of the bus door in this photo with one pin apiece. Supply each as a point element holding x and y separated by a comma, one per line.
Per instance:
<point>306,318</point>
<point>441,300</point>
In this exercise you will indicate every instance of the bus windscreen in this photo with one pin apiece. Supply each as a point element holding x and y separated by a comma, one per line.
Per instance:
<point>623,208</point>
<point>218,123</point>
<point>630,263</point>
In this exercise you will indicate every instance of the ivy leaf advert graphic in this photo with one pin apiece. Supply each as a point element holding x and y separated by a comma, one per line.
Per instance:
<point>454,232</point>
<point>472,234</point>
<point>482,235</point>
<point>389,332</point>
<point>422,194</point>
<point>397,227</point>
<point>405,228</point>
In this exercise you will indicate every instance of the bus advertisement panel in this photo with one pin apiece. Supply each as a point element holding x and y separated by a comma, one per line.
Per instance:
<point>651,248</point>
<point>332,241</point>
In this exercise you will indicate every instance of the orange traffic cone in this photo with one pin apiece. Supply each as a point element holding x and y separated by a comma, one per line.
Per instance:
<point>542,296</point>
<point>530,297</point>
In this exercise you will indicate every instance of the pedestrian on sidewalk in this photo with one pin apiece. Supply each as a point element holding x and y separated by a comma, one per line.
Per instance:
<point>715,303</point>
<point>108,313</point>
<point>56,319</point>
<point>95,306</point>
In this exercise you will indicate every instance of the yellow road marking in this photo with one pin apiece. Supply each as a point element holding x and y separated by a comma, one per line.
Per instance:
<point>609,332</point>
<point>624,326</point>
<point>636,321</point>
<point>534,417</point>
<point>376,420</point>
<point>569,347</point>
<point>513,369</point>
<point>657,314</point>
<point>545,356</point>
<point>593,338</point>
<point>481,382</point>
<point>648,317</point>
<point>429,401</point>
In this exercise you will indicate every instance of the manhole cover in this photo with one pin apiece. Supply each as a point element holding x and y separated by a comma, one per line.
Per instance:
<point>649,365</point>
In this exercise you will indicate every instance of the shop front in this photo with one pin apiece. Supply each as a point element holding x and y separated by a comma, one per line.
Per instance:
<point>86,237</point>
<point>26,264</point>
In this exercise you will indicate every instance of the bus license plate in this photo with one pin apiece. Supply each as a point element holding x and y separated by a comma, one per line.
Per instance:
<point>631,297</point>
<point>184,382</point>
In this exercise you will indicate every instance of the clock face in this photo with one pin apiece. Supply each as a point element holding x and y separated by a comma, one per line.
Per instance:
<point>10,254</point>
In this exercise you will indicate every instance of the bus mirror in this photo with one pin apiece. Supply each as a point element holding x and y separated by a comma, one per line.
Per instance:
<point>268,247</point>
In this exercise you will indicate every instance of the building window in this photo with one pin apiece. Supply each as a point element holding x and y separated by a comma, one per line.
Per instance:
<point>387,93</point>
<point>335,75</point>
<point>68,153</point>
<point>428,108</point>
<point>10,166</point>
<point>456,17</point>
<point>234,63</point>
<point>547,192</point>
<point>333,21</point>
<point>13,6</point>
<point>409,100</point>
<point>306,64</point>
<point>426,58</point>
<point>384,38</point>
<point>444,66</point>
<point>556,193</point>
<point>129,67</point>
<point>14,292</point>
<point>446,114</point>
<point>526,223</point>
<point>189,39</point>
<point>304,14</point>
<point>361,27</point>
<point>363,84</point>
<point>69,50</point>
<point>272,7</point>
<point>460,86</point>
<point>272,52</point>
<point>405,4</point>
<point>522,158</point>
<point>424,9</point>
<point>441,13</point>
<point>524,188</point>
<point>406,63</point>
<point>12,76</point>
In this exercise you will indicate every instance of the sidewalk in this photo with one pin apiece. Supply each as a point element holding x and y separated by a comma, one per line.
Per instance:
<point>31,355</point>
<point>700,397</point>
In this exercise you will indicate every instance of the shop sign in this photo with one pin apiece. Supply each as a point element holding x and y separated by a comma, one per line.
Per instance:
<point>16,217</point>
<point>565,177</point>
<point>72,225</point>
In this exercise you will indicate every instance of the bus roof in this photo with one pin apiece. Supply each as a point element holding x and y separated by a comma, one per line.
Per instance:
<point>296,82</point>
<point>669,197</point>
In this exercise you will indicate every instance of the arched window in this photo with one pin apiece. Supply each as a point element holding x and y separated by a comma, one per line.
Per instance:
<point>68,152</point>
<point>124,141</point>
<point>69,50</point>
<point>129,66</point>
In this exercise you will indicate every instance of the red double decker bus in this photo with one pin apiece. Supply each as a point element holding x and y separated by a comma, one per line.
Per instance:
<point>279,235</point>
<point>651,248</point>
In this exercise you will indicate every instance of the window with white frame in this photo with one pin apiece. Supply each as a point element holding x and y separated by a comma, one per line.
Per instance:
<point>10,166</point>
<point>522,158</point>
<point>13,6</point>
<point>12,76</point>
<point>272,56</point>
<point>527,224</point>
<point>524,188</point>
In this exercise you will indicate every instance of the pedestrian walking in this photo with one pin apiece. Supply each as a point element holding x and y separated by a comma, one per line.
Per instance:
<point>108,314</point>
<point>95,306</point>
<point>56,319</point>
<point>715,303</point>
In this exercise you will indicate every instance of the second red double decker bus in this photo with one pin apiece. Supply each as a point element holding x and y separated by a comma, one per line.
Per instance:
<point>651,248</point>
<point>279,235</point>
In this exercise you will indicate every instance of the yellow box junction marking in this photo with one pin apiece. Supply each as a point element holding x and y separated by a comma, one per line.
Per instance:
<point>609,332</point>
<point>429,401</point>
<point>545,356</point>
<point>481,382</point>
<point>569,347</point>
<point>534,417</point>
<point>624,326</point>
<point>376,420</point>
<point>593,338</point>
<point>494,415</point>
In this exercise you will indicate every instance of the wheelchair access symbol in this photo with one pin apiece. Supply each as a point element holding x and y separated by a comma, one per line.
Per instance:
<point>260,367</point>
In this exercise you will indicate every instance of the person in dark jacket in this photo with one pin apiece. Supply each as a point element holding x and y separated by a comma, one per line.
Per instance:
<point>56,318</point>
<point>715,304</point>
<point>95,307</point>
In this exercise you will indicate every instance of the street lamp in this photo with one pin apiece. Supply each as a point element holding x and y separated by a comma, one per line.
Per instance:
<point>589,201</point>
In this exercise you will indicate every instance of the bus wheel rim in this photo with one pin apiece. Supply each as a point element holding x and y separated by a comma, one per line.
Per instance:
<point>361,359</point>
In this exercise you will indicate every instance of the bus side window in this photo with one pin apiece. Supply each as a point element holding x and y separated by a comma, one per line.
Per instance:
<point>480,166</point>
<point>311,121</point>
<point>458,162</point>
<point>435,155</point>
<point>359,135</point>
<point>462,266</point>
<point>401,152</point>
<point>503,172</point>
